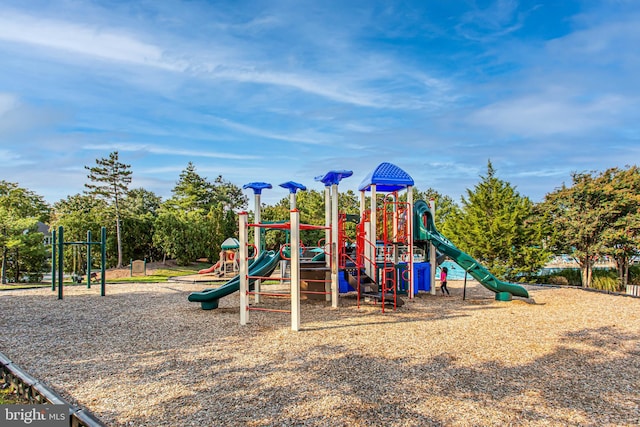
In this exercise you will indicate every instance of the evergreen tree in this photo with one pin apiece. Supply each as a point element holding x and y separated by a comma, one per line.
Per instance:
<point>140,209</point>
<point>21,245</point>
<point>349,203</point>
<point>444,204</point>
<point>78,214</point>
<point>218,225</point>
<point>310,203</point>
<point>496,226</point>
<point>110,181</point>
<point>273,213</point>
<point>194,222</point>
<point>230,195</point>
<point>181,234</point>
<point>192,192</point>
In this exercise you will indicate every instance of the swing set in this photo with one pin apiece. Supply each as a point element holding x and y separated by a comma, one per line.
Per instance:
<point>57,259</point>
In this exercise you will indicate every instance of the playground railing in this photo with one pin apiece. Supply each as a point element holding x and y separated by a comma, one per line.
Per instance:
<point>35,392</point>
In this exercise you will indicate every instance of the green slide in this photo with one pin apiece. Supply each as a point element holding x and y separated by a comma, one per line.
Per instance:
<point>425,229</point>
<point>261,266</point>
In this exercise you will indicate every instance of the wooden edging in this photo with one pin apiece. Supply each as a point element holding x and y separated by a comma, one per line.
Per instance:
<point>36,392</point>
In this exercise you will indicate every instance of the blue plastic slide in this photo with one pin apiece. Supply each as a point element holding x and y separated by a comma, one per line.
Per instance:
<point>425,229</point>
<point>261,266</point>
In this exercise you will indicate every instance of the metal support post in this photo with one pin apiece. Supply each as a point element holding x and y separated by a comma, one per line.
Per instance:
<point>60,260</point>
<point>335,248</point>
<point>54,249</point>
<point>243,265</point>
<point>103,260</point>
<point>258,243</point>
<point>295,270</point>
<point>88,259</point>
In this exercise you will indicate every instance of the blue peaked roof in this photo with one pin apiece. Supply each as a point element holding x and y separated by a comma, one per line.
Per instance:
<point>387,178</point>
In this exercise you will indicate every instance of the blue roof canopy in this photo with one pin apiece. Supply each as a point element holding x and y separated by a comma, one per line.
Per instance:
<point>333,177</point>
<point>293,186</point>
<point>387,178</point>
<point>257,187</point>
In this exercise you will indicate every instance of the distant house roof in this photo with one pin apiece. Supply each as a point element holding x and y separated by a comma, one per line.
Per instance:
<point>43,228</point>
<point>387,178</point>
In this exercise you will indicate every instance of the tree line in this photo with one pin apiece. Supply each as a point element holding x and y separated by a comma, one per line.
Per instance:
<point>593,217</point>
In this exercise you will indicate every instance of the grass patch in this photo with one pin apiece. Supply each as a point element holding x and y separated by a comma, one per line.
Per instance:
<point>161,275</point>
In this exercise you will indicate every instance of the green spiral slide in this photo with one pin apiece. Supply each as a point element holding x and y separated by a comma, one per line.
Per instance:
<point>261,266</point>
<point>425,230</point>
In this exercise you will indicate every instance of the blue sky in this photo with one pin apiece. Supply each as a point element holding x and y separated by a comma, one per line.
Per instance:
<point>287,90</point>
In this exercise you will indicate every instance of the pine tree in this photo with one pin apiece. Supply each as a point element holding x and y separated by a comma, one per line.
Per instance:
<point>495,226</point>
<point>192,223</point>
<point>110,180</point>
<point>140,210</point>
<point>444,204</point>
<point>192,192</point>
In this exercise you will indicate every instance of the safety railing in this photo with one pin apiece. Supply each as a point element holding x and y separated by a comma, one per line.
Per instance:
<point>35,392</point>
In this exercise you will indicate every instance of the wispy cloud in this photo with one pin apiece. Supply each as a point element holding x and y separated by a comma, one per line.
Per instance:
<point>499,19</point>
<point>322,87</point>
<point>352,85</point>
<point>307,138</point>
<point>548,114</point>
<point>154,149</point>
<point>541,173</point>
<point>103,43</point>
<point>122,47</point>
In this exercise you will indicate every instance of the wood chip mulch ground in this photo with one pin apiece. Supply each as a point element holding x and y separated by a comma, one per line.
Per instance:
<point>145,356</point>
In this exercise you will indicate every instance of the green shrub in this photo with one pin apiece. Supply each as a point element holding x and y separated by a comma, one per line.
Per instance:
<point>605,283</point>
<point>566,276</point>
<point>634,275</point>
<point>603,279</point>
<point>558,280</point>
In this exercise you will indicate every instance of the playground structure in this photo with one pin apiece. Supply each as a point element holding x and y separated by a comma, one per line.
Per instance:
<point>57,259</point>
<point>227,260</point>
<point>396,244</point>
<point>383,265</point>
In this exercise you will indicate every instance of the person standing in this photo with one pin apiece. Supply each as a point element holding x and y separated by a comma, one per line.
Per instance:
<point>443,281</point>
